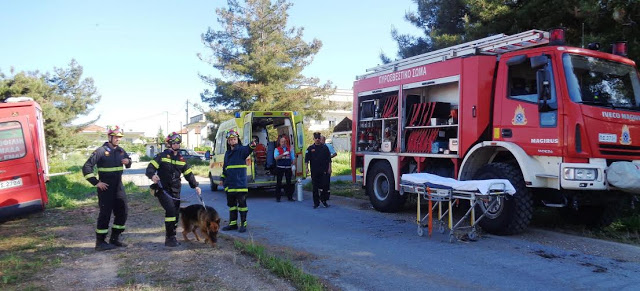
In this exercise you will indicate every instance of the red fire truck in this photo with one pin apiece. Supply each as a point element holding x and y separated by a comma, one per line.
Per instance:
<point>23,157</point>
<point>550,118</point>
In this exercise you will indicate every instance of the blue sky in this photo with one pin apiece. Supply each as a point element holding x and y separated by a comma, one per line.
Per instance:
<point>142,54</point>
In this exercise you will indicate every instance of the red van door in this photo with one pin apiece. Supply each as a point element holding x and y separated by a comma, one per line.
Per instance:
<point>20,189</point>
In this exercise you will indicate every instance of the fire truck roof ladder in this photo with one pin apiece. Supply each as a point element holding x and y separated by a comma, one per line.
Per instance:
<point>492,45</point>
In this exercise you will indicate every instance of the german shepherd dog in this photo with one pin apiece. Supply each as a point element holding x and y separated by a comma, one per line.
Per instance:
<point>198,216</point>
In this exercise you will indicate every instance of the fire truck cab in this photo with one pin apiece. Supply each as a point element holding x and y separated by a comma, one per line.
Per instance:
<point>552,119</point>
<point>23,157</point>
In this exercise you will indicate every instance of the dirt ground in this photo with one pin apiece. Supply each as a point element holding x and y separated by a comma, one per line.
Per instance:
<point>145,264</point>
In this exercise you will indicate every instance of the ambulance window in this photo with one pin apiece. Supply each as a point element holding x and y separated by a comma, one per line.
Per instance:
<point>12,143</point>
<point>300,133</point>
<point>221,144</point>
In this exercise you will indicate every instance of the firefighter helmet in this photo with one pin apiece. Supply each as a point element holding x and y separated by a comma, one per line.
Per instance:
<point>174,137</point>
<point>114,130</point>
<point>232,133</point>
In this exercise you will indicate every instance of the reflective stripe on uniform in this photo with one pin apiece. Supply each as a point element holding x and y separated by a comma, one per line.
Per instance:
<point>233,222</point>
<point>115,226</point>
<point>187,172</point>
<point>234,208</point>
<point>236,190</point>
<point>244,224</point>
<point>245,209</point>
<point>155,164</point>
<point>101,231</point>
<point>170,161</point>
<point>90,175</point>
<point>236,166</point>
<point>222,176</point>
<point>168,219</point>
<point>112,169</point>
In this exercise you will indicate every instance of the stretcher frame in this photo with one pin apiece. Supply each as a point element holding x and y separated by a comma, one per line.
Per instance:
<point>437,196</point>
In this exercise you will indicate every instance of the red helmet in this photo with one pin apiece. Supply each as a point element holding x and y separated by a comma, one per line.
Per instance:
<point>174,137</point>
<point>114,130</point>
<point>232,133</point>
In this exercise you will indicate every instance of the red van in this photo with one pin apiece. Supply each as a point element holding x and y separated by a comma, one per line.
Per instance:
<point>23,157</point>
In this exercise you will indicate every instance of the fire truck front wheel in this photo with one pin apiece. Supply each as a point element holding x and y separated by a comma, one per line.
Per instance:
<point>510,215</point>
<point>381,188</point>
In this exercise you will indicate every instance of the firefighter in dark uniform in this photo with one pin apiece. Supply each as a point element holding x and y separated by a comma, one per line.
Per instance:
<point>320,158</point>
<point>109,159</point>
<point>234,180</point>
<point>165,170</point>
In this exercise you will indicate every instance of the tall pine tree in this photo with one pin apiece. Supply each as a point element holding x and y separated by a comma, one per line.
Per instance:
<point>261,61</point>
<point>449,22</point>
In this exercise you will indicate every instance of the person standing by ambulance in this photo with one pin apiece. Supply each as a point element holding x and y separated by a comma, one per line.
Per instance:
<point>284,160</point>
<point>234,180</point>
<point>109,159</point>
<point>327,178</point>
<point>165,170</point>
<point>318,155</point>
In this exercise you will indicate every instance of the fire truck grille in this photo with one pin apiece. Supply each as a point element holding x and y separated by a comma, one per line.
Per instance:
<point>619,150</point>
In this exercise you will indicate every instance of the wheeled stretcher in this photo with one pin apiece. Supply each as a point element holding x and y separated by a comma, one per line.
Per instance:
<point>441,192</point>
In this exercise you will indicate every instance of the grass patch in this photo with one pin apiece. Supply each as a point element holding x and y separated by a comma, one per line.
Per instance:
<point>281,267</point>
<point>343,188</point>
<point>27,249</point>
<point>201,170</point>
<point>625,229</point>
<point>72,190</point>
<point>341,164</point>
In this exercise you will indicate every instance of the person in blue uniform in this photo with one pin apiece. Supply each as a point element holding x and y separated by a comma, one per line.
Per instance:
<point>234,180</point>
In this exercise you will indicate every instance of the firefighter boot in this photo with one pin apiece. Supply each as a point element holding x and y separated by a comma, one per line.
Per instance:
<point>102,245</point>
<point>170,240</point>
<point>243,221</point>
<point>243,227</point>
<point>233,225</point>
<point>115,238</point>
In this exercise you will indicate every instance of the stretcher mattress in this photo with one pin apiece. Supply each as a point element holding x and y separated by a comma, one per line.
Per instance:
<point>438,182</point>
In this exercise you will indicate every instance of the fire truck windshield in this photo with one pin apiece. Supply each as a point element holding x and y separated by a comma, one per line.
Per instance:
<point>603,83</point>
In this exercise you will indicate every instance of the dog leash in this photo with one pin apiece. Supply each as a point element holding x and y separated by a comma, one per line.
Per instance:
<point>173,198</point>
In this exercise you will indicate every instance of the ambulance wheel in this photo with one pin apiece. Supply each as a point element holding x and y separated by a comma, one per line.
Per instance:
<point>214,186</point>
<point>511,214</point>
<point>381,188</point>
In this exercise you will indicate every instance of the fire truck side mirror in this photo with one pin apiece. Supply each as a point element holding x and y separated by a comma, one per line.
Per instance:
<point>544,91</point>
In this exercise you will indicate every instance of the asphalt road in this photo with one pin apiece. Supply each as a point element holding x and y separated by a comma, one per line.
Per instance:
<point>358,248</point>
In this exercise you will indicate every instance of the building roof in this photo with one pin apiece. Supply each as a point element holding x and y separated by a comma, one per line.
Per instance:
<point>344,125</point>
<point>94,128</point>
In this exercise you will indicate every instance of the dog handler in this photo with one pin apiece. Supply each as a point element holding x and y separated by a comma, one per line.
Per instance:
<point>234,180</point>
<point>109,159</point>
<point>166,168</point>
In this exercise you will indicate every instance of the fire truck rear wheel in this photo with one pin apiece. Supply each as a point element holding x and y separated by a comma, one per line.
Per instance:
<point>381,188</point>
<point>512,215</point>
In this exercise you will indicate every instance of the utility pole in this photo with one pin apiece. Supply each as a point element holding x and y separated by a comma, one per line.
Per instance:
<point>187,123</point>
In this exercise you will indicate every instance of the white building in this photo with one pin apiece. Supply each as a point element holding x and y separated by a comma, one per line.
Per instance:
<point>195,133</point>
<point>343,103</point>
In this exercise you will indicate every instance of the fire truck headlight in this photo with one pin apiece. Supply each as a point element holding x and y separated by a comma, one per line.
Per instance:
<point>580,174</point>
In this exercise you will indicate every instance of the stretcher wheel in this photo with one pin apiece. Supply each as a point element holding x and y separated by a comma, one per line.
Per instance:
<point>473,235</point>
<point>420,231</point>
<point>441,228</point>
<point>452,238</point>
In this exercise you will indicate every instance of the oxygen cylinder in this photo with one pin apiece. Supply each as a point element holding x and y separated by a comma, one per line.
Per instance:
<point>299,190</point>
